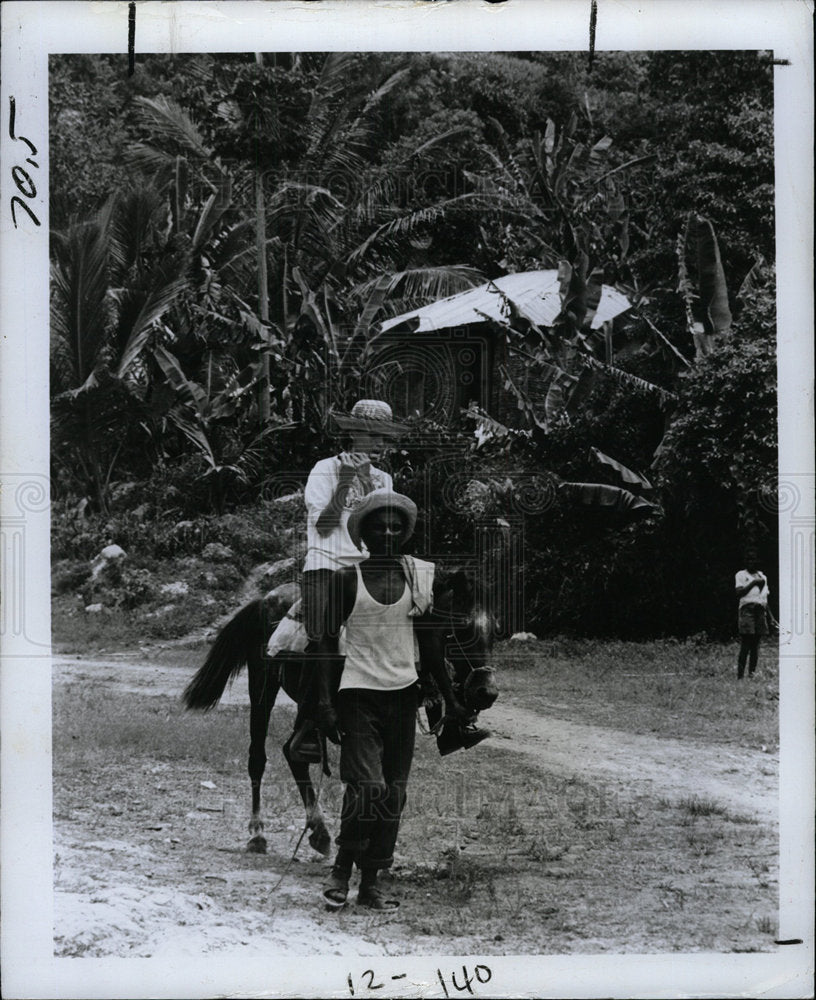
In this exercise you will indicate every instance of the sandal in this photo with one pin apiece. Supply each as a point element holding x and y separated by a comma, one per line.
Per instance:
<point>335,892</point>
<point>372,898</point>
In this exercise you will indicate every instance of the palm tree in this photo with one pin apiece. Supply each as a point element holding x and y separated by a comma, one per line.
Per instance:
<point>313,215</point>
<point>107,299</point>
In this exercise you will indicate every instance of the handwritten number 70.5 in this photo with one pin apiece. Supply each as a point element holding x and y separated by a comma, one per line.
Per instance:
<point>481,974</point>
<point>23,180</point>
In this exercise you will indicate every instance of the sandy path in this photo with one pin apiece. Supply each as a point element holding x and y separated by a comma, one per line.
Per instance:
<point>744,781</point>
<point>128,676</point>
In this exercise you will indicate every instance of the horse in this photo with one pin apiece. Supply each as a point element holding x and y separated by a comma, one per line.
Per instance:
<point>459,611</point>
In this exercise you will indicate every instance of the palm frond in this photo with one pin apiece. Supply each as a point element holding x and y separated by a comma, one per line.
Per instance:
<point>155,161</point>
<point>233,246</point>
<point>404,225</point>
<point>374,194</point>
<point>195,433</point>
<point>146,309</point>
<point>510,165</point>
<point>79,287</point>
<point>212,213</point>
<point>353,141</point>
<point>323,118</point>
<point>133,225</point>
<point>665,340</point>
<point>423,284</point>
<point>171,127</point>
<point>627,379</point>
<point>384,90</point>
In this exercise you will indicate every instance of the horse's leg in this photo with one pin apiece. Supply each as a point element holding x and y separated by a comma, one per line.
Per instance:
<point>263,689</point>
<point>319,838</point>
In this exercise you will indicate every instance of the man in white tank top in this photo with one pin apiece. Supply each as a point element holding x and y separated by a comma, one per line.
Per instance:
<point>378,692</point>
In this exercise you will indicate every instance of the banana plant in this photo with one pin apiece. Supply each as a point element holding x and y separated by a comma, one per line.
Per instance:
<point>701,282</point>
<point>209,416</point>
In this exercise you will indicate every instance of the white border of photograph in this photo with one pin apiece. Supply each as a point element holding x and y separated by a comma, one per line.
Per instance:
<point>32,30</point>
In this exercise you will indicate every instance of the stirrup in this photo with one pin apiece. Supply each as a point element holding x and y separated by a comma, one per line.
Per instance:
<point>304,747</point>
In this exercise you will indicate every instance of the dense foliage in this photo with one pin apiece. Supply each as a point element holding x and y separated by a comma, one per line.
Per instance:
<point>376,183</point>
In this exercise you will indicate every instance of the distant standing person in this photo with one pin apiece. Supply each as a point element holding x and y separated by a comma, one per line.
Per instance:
<point>752,591</point>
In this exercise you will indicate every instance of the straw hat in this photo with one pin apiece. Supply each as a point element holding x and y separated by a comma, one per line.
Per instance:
<point>382,499</point>
<point>373,416</point>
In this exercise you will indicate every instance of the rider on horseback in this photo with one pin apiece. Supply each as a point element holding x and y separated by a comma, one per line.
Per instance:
<point>334,485</point>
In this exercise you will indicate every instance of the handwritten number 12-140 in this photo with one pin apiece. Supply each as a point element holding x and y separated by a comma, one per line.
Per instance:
<point>481,974</point>
<point>23,180</point>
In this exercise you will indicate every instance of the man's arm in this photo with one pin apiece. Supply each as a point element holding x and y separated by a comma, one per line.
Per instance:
<point>342,594</point>
<point>430,640</point>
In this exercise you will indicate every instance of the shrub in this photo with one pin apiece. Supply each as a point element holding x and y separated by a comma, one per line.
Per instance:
<point>68,575</point>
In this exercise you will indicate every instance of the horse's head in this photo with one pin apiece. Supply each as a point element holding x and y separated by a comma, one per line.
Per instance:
<point>470,628</point>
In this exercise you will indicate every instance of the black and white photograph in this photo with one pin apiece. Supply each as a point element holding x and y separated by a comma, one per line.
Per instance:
<point>408,499</point>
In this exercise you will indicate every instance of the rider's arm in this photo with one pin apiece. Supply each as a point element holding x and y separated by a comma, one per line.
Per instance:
<point>326,492</point>
<point>330,515</point>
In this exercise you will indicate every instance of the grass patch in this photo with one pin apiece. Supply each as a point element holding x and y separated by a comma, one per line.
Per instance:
<point>74,630</point>
<point>695,806</point>
<point>91,726</point>
<point>679,689</point>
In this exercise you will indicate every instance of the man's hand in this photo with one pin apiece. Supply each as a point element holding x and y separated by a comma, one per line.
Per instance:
<point>347,471</point>
<point>456,710</point>
<point>360,461</point>
<point>327,722</point>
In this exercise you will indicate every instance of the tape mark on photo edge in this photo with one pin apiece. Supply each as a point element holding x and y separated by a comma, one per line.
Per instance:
<point>593,23</point>
<point>131,37</point>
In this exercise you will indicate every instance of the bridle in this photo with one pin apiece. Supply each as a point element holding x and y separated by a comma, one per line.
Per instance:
<point>454,624</point>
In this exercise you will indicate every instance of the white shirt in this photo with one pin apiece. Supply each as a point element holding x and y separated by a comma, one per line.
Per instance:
<point>756,595</point>
<point>336,549</point>
<point>379,643</point>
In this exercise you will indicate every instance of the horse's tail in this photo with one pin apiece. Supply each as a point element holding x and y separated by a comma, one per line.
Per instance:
<point>240,640</point>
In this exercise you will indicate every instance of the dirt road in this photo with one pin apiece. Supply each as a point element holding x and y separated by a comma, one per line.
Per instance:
<point>745,781</point>
<point>149,858</point>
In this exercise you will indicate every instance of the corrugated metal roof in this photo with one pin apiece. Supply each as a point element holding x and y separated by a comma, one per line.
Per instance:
<point>534,293</point>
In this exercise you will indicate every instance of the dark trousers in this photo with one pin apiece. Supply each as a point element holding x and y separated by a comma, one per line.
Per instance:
<point>752,626</point>
<point>314,593</point>
<point>748,651</point>
<point>376,752</point>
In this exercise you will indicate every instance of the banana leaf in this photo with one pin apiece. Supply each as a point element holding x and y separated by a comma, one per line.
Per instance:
<point>704,285</point>
<point>608,499</point>
<point>555,403</point>
<point>626,476</point>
